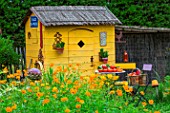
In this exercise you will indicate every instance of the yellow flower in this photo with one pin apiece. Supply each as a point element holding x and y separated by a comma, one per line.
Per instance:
<point>23,91</point>
<point>14,107</point>
<point>69,81</point>
<point>151,102</point>
<point>64,99</point>
<point>55,89</point>
<point>18,77</point>
<point>2,81</point>
<point>115,77</point>
<point>46,101</point>
<point>67,110</point>
<point>25,101</point>
<point>52,64</point>
<point>109,76</point>
<point>14,83</point>
<point>78,106</point>
<point>42,85</point>
<point>81,101</point>
<point>88,93</point>
<point>112,92</point>
<point>142,92</point>
<point>5,70</point>
<point>32,84</point>
<point>103,78</point>
<point>8,109</point>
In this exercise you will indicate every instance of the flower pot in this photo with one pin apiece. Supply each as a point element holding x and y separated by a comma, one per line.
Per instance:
<point>60,50</point>
<point>105,60</point>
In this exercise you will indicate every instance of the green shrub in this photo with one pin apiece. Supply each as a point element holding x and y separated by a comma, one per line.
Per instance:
<point>7,53</point>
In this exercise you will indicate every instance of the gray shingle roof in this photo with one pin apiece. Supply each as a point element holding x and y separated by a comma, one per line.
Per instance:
<point>74,15</point>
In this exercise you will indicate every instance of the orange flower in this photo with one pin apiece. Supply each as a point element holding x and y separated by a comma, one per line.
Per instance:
<point>2,81</point>
<point>78,99</point>
<point>56,80</point>
<point>29,89</point>
<point>37,88</point>
<point>115,77</point>
<point>55,95</point>
<point>88,93</point>
<point>69,81</point>
<point>18,77</point>
<point>39,94</point>
<point>157,112</point>
<point>23,91</point>
<point>119,92</point>
<point>8,109</point>
<point>151,102</point>
<point>69,65</point>
<point>78,106</point>
<point>78,64</point>
<point>67,110</point>
<point>14,107</point>
<point>65,70</point>
<point>46,101</point>
<point>144,103</point>
<point>96,111</point>
<point>52,64</point>
<point>73,91</point>
<point>64,99</point>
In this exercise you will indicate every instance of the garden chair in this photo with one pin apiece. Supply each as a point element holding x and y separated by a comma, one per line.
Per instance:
<point>147,68</point>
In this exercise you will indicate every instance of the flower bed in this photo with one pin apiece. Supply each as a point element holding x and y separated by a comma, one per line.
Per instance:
<point>64,90</point>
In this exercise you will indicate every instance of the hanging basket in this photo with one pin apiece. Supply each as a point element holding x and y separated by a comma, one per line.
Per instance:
<point>59,50</point>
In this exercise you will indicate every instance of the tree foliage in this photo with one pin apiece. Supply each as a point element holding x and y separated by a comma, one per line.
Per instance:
<point>151,13</point>
<point>7,53</point>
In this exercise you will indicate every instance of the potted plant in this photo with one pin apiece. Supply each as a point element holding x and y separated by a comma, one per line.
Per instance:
<point>104,55</point>
<point>59,47</point>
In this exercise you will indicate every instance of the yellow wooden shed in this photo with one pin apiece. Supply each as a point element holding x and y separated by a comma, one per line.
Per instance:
<point>84,29</point>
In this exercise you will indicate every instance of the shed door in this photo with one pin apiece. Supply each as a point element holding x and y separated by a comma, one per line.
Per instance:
<point>81,48</point>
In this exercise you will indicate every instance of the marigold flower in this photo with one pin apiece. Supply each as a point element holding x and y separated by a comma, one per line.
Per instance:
<point>115,77</point>
<point>119,92</point>
<point>144,103</point>
<point>39,94</point>
<point>23,91</point>
<point>69,65</point>
<point>32,84</point>
<point>96,111</point>
<point>56,80</point>
<point>25,101</point>
<point>78,99</point>
<point>14,83</point>
<point>37,88</point>
<point>52,64</point>
<point>69,81</point>
<point>73,91</point>
<point>151,102</point>
<point>14,107</point>
<point>46,101</point>
<point>55,89</point>
<point>78,106</point>
<point>2,81</point>
<point>64,99</point>
<point>29,89</point>
<point>8,109</point>
<point>67,110</point>
<point>55,95</point>
<point>18,77</point>
<point>88,93</point>
<point>81,101</point>
<point>157,112</point>
<point>142,92</point>
<point>111,92</point>
<point>109,76</point>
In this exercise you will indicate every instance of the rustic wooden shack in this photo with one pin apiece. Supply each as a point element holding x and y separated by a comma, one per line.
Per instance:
<point>83,29</point>
<point>145,45</point>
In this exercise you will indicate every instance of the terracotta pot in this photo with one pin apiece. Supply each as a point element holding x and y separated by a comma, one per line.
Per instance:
<point>60,50</point>
<point>105,60</point>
